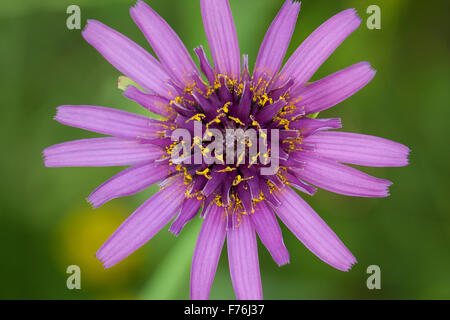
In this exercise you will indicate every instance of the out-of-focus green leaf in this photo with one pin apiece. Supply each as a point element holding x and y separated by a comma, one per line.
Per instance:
<point>168,278</point>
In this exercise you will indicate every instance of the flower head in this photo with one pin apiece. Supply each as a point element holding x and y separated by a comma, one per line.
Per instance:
<point>230,143</point>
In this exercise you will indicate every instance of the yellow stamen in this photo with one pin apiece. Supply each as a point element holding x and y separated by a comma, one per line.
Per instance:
<point>237,120</point>
<point>197,117</point>
<point>204,173</point>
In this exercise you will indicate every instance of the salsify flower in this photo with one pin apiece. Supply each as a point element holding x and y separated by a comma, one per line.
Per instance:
<point>235,200</point>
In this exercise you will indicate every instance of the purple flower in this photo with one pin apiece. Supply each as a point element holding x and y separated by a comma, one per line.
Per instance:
<point>236,201</point>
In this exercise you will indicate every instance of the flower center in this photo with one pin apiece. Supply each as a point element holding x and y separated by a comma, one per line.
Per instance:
<point>230,138</point>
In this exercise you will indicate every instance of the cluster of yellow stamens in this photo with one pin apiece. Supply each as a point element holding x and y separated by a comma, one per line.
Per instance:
<point>260,99</point>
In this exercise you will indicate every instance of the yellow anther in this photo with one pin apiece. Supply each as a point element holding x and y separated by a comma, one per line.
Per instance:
<point>217,84</point>
<point>227,169</point>
<point>208,133</point>
<point>178,100</point>
<point>197,141</point>
<point>215,120</point>
<point>204,173</point>
<point>237,120</point>
<point>263,134</point>
<point>254,160</point>
<point>261,198</point>
<point>264,98</point>
<point>240,88</point>
<point>219,157</point>
<point>254,122</point>
<point>225,107</point>
<point>241,158</point>
<point>271,186</point>
<point>197,117</point>
<point>237,180</point>
<point>283,122</point>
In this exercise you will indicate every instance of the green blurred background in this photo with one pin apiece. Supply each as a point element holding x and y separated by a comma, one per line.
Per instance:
<point>46,225</point>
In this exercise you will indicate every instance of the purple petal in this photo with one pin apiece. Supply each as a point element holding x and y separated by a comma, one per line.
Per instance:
<point>312,231</point>
<point>165,42</point>
<point>214,183</point>
<point>205,66</point>
<point>100,152</point>
<point>128,57</point>
<point>253,183</point>
<point>244,194</point>
<point>299,184</point>
<point>269,232</point>
<point>207,253</point>
<point>335,88</point>
<point>108,121</point>
<point>226,187</point>
<point>276,41</point>
<point>143,224</point>
<point>243,261</point>
<point>153,103</point>
<point>318,47</point>
<point>245,103</point>
<point>188,212</point>
<point>222,38</point>
<point>223,92</point>
<point>335,177</point>
<point>308,126</point>
<point>267,113</point>
<point>268,194</point>
<point>245,72</point>
<point>128,182</point>
<point>359,149</point>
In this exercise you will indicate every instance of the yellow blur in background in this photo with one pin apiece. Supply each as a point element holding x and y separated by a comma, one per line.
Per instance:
<point>82,233</point>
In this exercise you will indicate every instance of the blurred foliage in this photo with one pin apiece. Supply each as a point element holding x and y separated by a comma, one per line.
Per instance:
<point>45,224</point>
